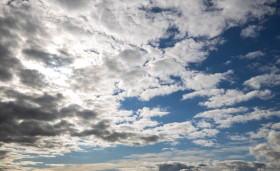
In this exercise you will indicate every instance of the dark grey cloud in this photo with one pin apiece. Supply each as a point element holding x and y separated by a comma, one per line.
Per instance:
<point>70,110</point>
<point>51,60</point>
<point>29,118</point>
<point>32,78</point>
<point>150,139</point>
<point>26,132</point>
<point>3,154</point>
<point>242,165</point>
<point>46,101</point>
<point>87,114</point>
<point>31,129</point>
<point>102,130</point>
<point>175,167</point>
<point>7,63</point>
<point>73,4</point>
<point>218,165</point>
<point>24,123</point>
<point>15,24</point>
<point>20,19</point>
<point>11,111</point>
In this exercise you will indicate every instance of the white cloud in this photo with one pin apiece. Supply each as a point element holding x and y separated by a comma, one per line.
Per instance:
<point>188,51</point>
<point>147,113</point>
<point>270,150</point>
<point>232,97</point>
<point>252,31</point>
<point>207,143</point>
<point>210,132</point>
<point>263,80</point>
<point>142,120</point>
<point>199,81</point>
<point>253,55</point>
<point>238,138</point>
<point>159,91</point>
<point>226,117</point>
<point>211,92</point>
<point>176,130</point>
<point>203,124</point>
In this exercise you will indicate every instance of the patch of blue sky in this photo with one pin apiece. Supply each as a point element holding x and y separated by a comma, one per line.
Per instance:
<point>169,40</point>
<point>235,46</point>
<point>156,9</point>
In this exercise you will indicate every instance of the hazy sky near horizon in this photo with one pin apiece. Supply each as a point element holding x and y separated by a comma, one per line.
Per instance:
<point>142,85</point>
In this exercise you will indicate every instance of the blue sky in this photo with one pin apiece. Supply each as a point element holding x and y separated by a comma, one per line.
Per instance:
<point>140,85</point>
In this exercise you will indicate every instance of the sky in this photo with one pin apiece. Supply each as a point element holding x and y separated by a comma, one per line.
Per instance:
<point>146,85</point>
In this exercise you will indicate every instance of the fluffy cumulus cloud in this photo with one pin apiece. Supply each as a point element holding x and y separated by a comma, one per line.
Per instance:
<point>268,150</point>
<point>67,66</point>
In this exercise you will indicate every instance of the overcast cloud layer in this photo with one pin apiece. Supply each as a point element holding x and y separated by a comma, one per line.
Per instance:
<point>67,67</point>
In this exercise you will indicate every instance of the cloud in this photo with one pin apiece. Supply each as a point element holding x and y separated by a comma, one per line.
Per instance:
<point>240,165</point>
<point>147,113</point>
<point>66,67</point>
<point>102,130</point>
<point>253,55</point>
<point>51,60</point>
<point>8,62</point>
<point>189,50</point>
<point>232,165</point>
<point>174,166</point>
<point>203,124</point>
<point>226,117</point>
<point>207,143</point>
<point>265,80</point>
<point>24,124</point>
<point>200,81</point>
<point>6,66</point>
<point>32,78</point>
<point>72,4</point>
<point>211,92</point>
<point>238,138</point>
<point>251,31</point>
<point>232,97</point>
<point>269,150</point>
